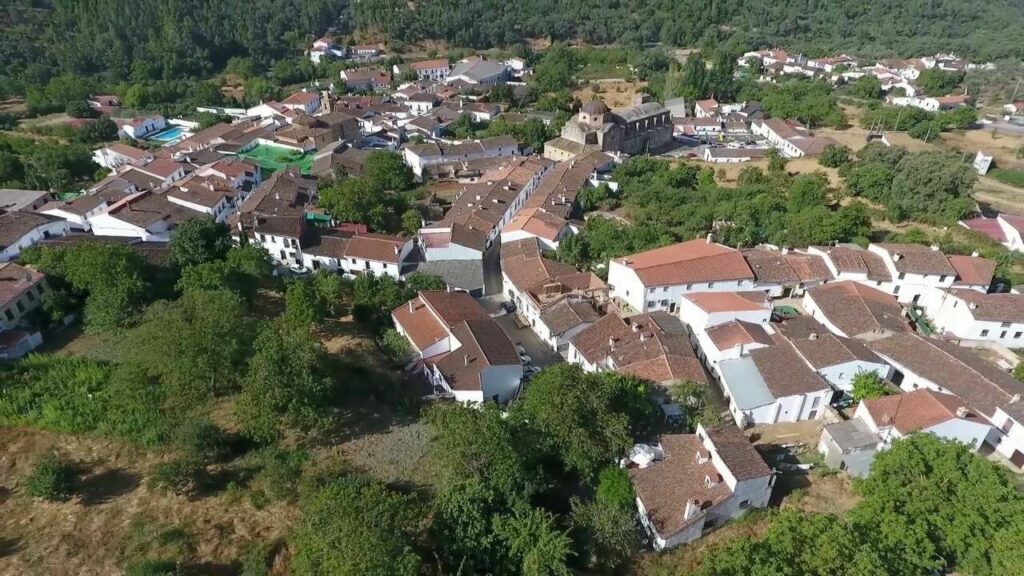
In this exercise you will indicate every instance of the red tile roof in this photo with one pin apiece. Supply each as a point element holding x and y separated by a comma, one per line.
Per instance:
<point>695,261</point>
<point>973,271</point>
<point>917,410</point>
<point>712,302</point>
<point>428,318</point>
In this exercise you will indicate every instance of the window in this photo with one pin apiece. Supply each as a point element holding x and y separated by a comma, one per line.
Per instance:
<point>31,296</point>
<point>664,289</point>
<point>984,333</point>
<point>896,290</point>
<point>1004,325</point>
<point>20,306</point>
<point>711,284</point>
<point>942,278</point>
<point>650,304</point>
<point>745,504</point>
<point>689,286</point>
<point>1016,335</point>
<point>1002,334</point>
<point>9,314</point>
<point>651,290</point>
<point>816,403</point>
<point>40,289</point>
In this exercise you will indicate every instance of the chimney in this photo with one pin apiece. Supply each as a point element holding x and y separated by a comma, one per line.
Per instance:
<point>465,359</point>
<point>643,336</point>
<point>896,256</point>
<point>412,306</point>
<point>635,327</point>
<point>785,250</point>
<point>1015,398</point>
<point>975,254</point>
<point>935,247</point>
<point>973,305</point>
<point>692,509</point>
<point>813,336</point>
<point>962,412</point>
<point>710,238</point>
<point>611,342</point>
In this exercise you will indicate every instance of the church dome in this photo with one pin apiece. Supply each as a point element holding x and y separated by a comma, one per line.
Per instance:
<point>594,108</point>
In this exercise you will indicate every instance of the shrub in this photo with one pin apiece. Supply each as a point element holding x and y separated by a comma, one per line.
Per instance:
<point>281,472</point>
<point>182,476</point>
<point>52,479</point>
<point>153,568</point>
<point>203,441</point>
<point>255,559</point>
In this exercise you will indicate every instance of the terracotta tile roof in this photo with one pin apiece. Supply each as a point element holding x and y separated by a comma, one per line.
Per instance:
<point>161,167</point>
<point>918,259</point>
<point>737,332</point>
<point>857,309</point>
<point>820,347</point>
<point>652,346</point>
<point>774,267</point>
<point>567,314</point>
<point>429,64</point>
<point>428,318</point>
<point>992,307</point>
<point>691,262</point>
<point>557,191</point>
<point>484,344</point>
<point>15,279</point>
<point>785,372</point>
<point>78,206</point>
<point>302,98</point>
<point>375,247</point>
<point>537,222</point>
<point>666,486</point>
<point>963,372</point>
<point>856,260</point>
<point>132,152</point>
<point>988,226</point>
<point>16,225</point>
<point>973,271</point>
<point>712,302</point>
<point>917,410</point>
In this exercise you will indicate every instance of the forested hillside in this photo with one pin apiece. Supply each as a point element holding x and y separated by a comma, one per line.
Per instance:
<point>152,39</point>
<point>984,31</point>
<point>140,40</point>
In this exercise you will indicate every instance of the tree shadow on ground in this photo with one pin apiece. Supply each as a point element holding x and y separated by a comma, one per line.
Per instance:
<point>9,546</point>
<point>212,569</point>
<point>107,485</point>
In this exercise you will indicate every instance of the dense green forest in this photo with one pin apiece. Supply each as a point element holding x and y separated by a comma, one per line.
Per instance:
<point>171,40</point>
<point>985,31</point>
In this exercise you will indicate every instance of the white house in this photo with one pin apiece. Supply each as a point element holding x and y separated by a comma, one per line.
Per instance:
<point>836,359</point>
<point>730,340</point>
<point>949,369</point>
<point>308,102</point>
<point>376,254</point>
<point>19,230</point>
<point>931,103</point>
<point>546,227</point>
<point>771,385</point>
<point>691,483</point>
<point>21,292</point>
<point>853,310</point>
<point>945,415</point>
<point>654,347</point>
<point>554,299</point>
<point>702,310</point>
<point>115,155</point>
<point>481,211</point>
<point>657,279</point>
<point>433,70</point>
<point>733,155</point>
<point>915,269</point>
<point>786,272</point>
<point>143,215</point>
<point>706,108</point>
<point>973,315</point>
<point>77,211</point>
<point>417,156</point>
<point>139,128</point>
<point>790,137</point>
<point>464,352</point>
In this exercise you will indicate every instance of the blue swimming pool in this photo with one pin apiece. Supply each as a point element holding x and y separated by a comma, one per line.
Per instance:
<point>170,135</point>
